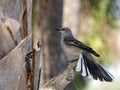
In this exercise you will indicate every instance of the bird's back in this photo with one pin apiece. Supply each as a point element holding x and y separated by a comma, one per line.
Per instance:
<point>71,52</point>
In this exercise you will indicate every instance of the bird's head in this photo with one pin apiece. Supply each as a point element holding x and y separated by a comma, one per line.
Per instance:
<point>65,31</point>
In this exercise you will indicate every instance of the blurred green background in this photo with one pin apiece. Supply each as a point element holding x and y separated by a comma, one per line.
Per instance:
<point>94,22</point>
<point>103,20</point>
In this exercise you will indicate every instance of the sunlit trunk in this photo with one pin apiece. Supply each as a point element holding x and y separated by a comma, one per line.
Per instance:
<point>71,13</point>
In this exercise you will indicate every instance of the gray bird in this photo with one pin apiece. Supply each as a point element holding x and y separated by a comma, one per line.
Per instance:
<point>86,64</point>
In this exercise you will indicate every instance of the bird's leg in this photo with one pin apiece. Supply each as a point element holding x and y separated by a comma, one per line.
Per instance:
<point>72,61</point>
<point>74,68</point>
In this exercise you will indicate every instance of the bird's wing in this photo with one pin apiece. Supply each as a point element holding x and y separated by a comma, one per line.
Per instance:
<point>95,69</point>
<point>74,42</point>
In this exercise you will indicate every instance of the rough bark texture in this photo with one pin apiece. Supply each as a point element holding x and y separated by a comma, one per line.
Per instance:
<point>13,29</point>
<point>12,67</point>
<point>61,80</point>
<point>5,36</point>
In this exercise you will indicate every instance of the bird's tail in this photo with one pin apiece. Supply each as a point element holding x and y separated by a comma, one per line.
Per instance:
<point>89,67</point>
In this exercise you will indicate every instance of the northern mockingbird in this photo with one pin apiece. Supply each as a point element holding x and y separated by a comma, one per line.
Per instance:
<point>86,64</point>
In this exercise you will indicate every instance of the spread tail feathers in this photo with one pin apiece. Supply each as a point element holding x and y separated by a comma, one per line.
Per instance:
<point>89,67</point>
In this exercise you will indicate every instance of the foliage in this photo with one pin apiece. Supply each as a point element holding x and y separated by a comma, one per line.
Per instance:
<point>101,13</point>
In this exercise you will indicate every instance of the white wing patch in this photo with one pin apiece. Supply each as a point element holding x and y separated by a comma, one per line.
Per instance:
<point>78,67</point>
<point>81,67</point>
<point>83,70</point>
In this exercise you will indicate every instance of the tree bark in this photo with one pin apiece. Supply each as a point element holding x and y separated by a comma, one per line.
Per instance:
<point>60,81</point>
<point>12,67</point>
<point>15,24</point>
<point>71,13</point>
<point>50,17</point>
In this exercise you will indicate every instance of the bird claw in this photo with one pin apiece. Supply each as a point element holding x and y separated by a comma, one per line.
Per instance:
<point>72,61</point>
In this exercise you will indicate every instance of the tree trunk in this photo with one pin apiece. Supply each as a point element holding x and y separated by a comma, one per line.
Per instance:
<point>15,24</point>
<point>50,17</point>
<point>71,15</point>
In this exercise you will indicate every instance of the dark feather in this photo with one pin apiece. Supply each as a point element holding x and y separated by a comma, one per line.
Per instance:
<point>96,70</point>
<point>74,42</point>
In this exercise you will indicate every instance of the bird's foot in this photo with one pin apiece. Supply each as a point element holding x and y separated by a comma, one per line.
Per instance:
<point>72,61</point>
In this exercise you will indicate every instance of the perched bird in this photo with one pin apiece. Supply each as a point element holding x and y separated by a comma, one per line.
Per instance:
<point>73,49</point>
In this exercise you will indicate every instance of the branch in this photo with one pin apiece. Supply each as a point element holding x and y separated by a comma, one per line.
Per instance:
<point>61,80</point>
<point>35,69</point>
<point>12,76</point>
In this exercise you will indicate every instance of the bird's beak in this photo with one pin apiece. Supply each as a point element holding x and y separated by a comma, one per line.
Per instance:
<point>58,29</point>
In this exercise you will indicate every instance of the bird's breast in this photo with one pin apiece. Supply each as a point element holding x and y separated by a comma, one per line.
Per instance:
<point>71,52</point>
